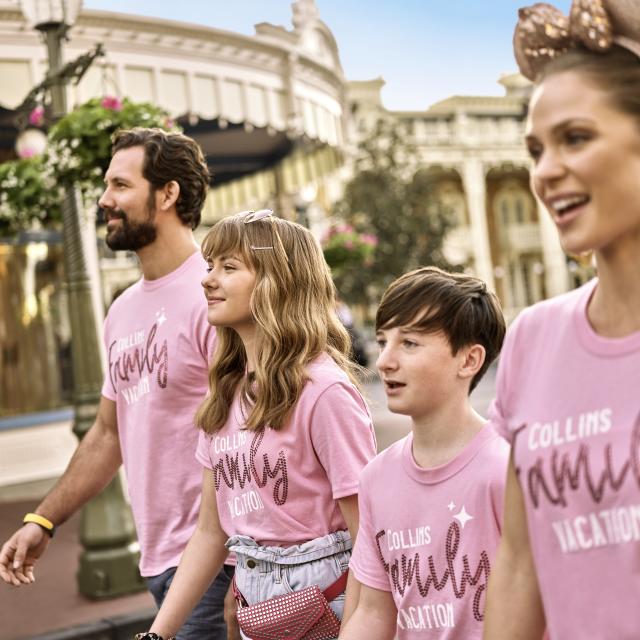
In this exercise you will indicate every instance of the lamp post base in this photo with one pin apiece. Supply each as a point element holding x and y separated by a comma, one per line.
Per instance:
<point>109,562</point>
<point>108,573</point>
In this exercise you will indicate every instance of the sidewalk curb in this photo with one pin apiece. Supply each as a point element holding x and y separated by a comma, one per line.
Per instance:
<point>117,628</point>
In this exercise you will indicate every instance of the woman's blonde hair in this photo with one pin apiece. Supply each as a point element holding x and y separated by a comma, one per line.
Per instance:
<point>294,308</point>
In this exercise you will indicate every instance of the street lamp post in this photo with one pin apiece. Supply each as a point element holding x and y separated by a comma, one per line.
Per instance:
<point>108,563</point>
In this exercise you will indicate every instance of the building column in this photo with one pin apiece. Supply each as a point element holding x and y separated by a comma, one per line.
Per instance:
<point>556,273</point>
<point>473,176</point>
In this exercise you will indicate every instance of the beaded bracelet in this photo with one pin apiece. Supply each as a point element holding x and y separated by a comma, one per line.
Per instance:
<point>150,635</point>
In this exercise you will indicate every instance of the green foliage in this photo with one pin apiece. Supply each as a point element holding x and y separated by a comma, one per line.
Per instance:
<point>78,153</point>
<point>28,197</point>
<point>390,199</point>
<point>345,248</point>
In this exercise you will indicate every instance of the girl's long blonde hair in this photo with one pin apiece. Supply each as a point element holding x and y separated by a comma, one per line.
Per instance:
<point>294,308</point>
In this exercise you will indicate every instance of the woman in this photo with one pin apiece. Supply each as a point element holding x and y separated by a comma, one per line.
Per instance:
<point>285,432</point>
<point>567,394</point>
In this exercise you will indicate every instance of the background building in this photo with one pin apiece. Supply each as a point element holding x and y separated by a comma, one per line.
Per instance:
<point>472,146</point>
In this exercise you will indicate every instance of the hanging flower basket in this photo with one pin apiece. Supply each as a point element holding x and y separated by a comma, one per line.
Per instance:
<point>343,246</point>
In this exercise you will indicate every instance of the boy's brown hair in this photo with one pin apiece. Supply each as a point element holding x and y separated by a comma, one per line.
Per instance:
<point>460,306</point>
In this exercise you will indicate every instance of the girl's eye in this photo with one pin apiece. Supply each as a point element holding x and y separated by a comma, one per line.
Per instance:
<point>209,268</point>
<point>381,343</point>
<point>409,344</point>
<point>229,267</point>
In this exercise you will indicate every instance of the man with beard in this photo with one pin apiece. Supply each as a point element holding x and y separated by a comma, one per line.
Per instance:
<point>158,343</point>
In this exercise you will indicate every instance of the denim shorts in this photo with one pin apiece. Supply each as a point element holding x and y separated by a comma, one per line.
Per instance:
<point>263,573</point>
<point>206,621</point>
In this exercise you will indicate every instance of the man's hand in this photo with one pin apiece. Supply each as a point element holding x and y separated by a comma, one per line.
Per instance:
<point>20,552</point>
<point>230,608</point>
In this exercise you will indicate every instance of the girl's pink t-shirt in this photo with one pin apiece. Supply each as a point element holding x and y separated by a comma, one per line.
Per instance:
<point>569,401</point>
<point>429,535</point>
<point>281,487</point>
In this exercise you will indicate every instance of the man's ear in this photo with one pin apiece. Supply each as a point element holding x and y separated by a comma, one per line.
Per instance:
<point>169,195</point>
<point>471,361</point>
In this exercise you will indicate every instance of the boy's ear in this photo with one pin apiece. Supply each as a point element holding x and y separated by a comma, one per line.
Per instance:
<point>169,195</point>
<point>472,360</point>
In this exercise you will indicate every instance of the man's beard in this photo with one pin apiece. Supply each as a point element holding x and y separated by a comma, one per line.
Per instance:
<point>130,236</point>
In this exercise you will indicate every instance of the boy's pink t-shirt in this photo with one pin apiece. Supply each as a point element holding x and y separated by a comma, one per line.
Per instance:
<point>569,401</point>
<point>158,344</point>
<point>429,535</point>
<point>280,487</point>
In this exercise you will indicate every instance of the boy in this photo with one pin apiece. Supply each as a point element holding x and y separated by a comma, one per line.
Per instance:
<point>431,504</point>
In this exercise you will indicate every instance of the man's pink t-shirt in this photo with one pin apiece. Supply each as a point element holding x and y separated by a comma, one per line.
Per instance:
<point>158,344</point>
<point>280,487</point>
<point>569,401</point>
<point>429,535</point>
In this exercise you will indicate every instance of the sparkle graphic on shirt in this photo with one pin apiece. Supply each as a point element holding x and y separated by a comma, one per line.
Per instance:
<point>160,316</point>
<point>463,517</point>
<point>451,506</point>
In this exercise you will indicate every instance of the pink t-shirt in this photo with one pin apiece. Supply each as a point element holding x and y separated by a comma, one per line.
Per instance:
<point>280,487</point>
<point>569,400</point>
<point>429,535</point>
<point>158,344</point>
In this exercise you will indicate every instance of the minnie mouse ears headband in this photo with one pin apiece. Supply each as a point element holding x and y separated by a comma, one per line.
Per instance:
<point>544,32</point>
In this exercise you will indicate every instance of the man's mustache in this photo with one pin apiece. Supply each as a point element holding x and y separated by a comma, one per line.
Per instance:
<point>106,214</point>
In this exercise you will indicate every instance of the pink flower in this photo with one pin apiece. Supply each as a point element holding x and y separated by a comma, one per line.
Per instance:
<point>111,102</point>
<point>27,152</point>
<point>36,117</point>
<point>348,244</point>
<point>370,239</point>
<point>169,123</point>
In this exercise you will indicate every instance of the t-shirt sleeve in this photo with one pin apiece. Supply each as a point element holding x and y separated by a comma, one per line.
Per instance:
<point>202,450</point>
<point>342,436</point>
<point>499,408</point>
<point>366,562</point>
<point>498,470</point>
<point>108,390</point>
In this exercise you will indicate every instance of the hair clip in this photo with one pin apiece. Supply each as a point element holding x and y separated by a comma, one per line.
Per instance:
<point>253,216</point>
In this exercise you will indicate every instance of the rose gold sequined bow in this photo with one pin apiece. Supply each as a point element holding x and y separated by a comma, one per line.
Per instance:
<point>544,32</point>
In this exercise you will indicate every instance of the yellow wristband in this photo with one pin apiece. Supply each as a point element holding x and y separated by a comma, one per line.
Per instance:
<point>41,521</point>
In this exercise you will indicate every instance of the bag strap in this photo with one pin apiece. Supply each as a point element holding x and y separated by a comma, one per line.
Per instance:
<point>338,587</point>
<point>330,593</point>
<point>236,593</point>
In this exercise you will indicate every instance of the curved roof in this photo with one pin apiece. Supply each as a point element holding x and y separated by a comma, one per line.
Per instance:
<point>286,81</point>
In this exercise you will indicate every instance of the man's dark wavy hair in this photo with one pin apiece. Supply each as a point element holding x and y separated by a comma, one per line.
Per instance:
<point>167,157</point>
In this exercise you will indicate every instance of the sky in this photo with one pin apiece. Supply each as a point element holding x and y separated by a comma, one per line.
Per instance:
<point>425,50</point>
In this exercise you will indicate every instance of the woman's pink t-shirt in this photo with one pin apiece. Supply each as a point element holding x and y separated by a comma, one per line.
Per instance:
<point>569,401</point>
<point>281,487</point>
<point>429,535</point>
